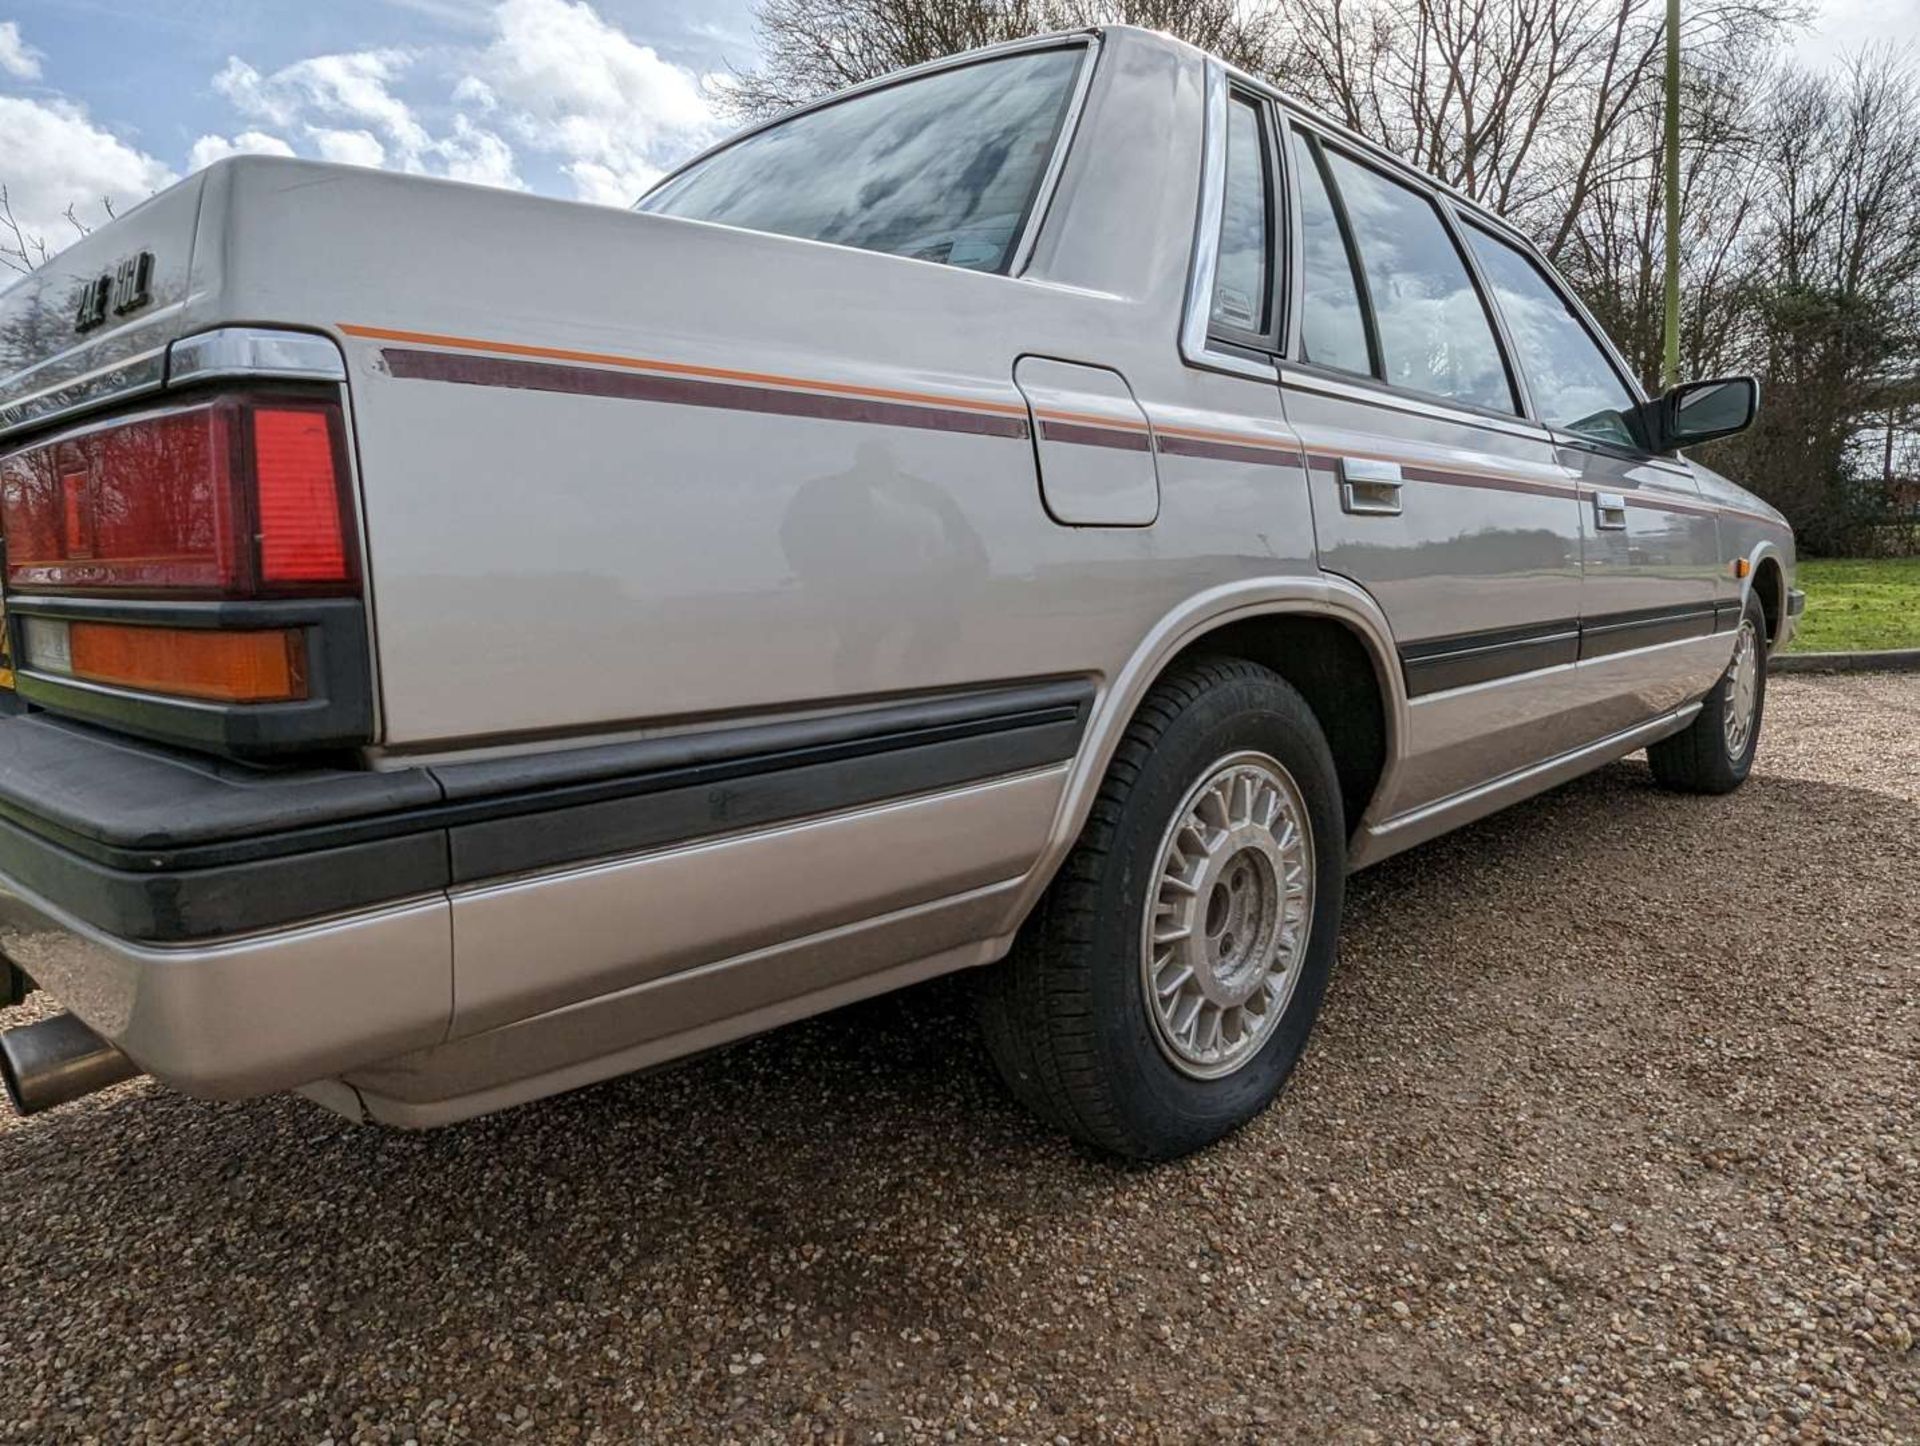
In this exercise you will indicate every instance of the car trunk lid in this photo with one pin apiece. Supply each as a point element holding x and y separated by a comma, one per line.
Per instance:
<point>91,326</point>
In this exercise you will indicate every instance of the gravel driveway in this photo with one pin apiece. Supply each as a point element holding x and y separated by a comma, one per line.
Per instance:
<point>1610,1132</point>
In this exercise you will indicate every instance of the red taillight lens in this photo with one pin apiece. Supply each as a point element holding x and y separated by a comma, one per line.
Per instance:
<point>237,496</point>
<point>300,537</point>
<point>144,504</point>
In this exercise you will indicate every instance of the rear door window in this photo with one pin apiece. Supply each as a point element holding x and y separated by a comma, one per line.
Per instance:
<point>941,168</point>
<point>1333,323</point>
<point>1435,334</point>
<point>1573,385</point>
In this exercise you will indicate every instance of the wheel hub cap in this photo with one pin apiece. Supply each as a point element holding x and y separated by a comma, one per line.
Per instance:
<point>1229,915</point>
<point>1743,691</point>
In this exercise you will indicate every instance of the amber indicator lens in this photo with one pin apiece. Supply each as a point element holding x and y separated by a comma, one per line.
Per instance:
<point>267,665</point>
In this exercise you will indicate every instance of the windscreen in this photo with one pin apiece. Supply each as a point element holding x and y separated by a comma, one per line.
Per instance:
<point>941,168</point>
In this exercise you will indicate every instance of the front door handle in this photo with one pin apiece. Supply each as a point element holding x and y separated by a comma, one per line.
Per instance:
<point>1370,487</point>
<point>1609,512</point>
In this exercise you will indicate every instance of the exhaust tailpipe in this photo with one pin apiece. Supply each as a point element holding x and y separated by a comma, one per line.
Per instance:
<point>58,1060</point>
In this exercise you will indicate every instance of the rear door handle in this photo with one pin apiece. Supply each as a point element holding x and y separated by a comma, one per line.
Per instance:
<point>1609,512</point>
<point>1369,487</point>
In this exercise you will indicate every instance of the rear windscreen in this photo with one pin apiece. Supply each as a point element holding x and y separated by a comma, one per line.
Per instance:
<point>941,168</point>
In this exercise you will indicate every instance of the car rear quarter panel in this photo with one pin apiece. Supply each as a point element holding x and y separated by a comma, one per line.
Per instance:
<point>548,560</point>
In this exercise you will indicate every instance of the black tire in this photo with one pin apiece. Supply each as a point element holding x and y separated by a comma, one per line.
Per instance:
<point>1698,760</point>
<point>1065,1017</point>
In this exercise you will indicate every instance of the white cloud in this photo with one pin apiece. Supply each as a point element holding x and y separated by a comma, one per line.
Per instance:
<point>348,106</point>
<point>350,87</point>
<point>209,149</point>
<point>556,78</point>
<point>475,92</point>
<point>473,153</point>
<point>1838,29</point>
<point>348,148</point>
<point>52,156</point>
<point>611,110</point>
<point>17,58</point>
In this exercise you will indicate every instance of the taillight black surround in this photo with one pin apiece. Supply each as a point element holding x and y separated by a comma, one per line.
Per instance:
<point>329,616</point>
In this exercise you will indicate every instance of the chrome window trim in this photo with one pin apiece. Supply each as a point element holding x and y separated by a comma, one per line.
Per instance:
<point>1304,376</point>
<point>1196,347</point>
<point>1022,254</point>
<point>117,381</point>
<point>247,351</point>
<point>1042,202</point>
<point>1294,109</point>
<point>1058,39</point>
<point>1485,218</point>
<point>1454,219</point>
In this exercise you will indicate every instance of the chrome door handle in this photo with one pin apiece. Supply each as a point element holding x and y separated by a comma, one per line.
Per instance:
<point>1370,488</point>
<point>1609,512</point>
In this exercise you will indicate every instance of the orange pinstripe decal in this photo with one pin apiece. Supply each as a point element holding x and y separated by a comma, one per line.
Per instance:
<point>932,399</point>
<point>680,369</point>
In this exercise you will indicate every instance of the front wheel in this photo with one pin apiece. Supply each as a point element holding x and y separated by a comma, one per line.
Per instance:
<point>1164,988</point>
<point>1714,753</point>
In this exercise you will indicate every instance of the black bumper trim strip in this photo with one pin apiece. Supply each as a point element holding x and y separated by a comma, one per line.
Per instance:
<point>672,811</point>
<point>1484,662</point>
<point>1646,628</point>
<point>466,823</point>
<point>1435,665</point>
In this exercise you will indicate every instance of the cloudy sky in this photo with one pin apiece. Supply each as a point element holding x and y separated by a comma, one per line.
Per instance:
<point>583,98</point>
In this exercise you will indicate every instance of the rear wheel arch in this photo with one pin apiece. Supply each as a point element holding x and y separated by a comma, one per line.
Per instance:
<point>1269,621</point>
<point>1331,666</point>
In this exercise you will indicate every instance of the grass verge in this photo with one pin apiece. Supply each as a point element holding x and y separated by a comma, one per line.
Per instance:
<point>1854,606</point>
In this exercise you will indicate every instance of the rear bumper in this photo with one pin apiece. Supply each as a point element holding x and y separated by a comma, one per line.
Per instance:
<point>235,931</point>
<point>250,1016</point>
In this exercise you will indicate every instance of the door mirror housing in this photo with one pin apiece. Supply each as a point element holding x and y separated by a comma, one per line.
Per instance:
<point>1696,412</point>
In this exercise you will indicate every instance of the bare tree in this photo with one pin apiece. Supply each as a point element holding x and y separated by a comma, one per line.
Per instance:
<point>19,251</point>
<point>22,251</point>
<point>1833,291</point>
<point>1521,104</point>
<point>816,46</point>
<point>1613,243</point>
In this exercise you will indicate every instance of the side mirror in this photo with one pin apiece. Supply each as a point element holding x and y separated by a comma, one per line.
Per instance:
<point>1696,412</point>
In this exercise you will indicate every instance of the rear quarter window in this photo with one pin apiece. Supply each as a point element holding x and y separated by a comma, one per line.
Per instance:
<point>941,168</point>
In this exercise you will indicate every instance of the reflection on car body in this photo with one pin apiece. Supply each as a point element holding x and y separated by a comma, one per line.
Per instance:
<point>1058,510</point>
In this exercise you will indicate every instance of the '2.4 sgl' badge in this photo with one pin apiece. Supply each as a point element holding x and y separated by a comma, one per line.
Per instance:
<point>127,288</point>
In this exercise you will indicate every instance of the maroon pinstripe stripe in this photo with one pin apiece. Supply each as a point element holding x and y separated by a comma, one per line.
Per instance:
<point>1226,451</point>
<point>1443,477</point>
<point>1084,436</point>
<point>1413,473</point>
<point>539,376</point>
<point>1487,484</point>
